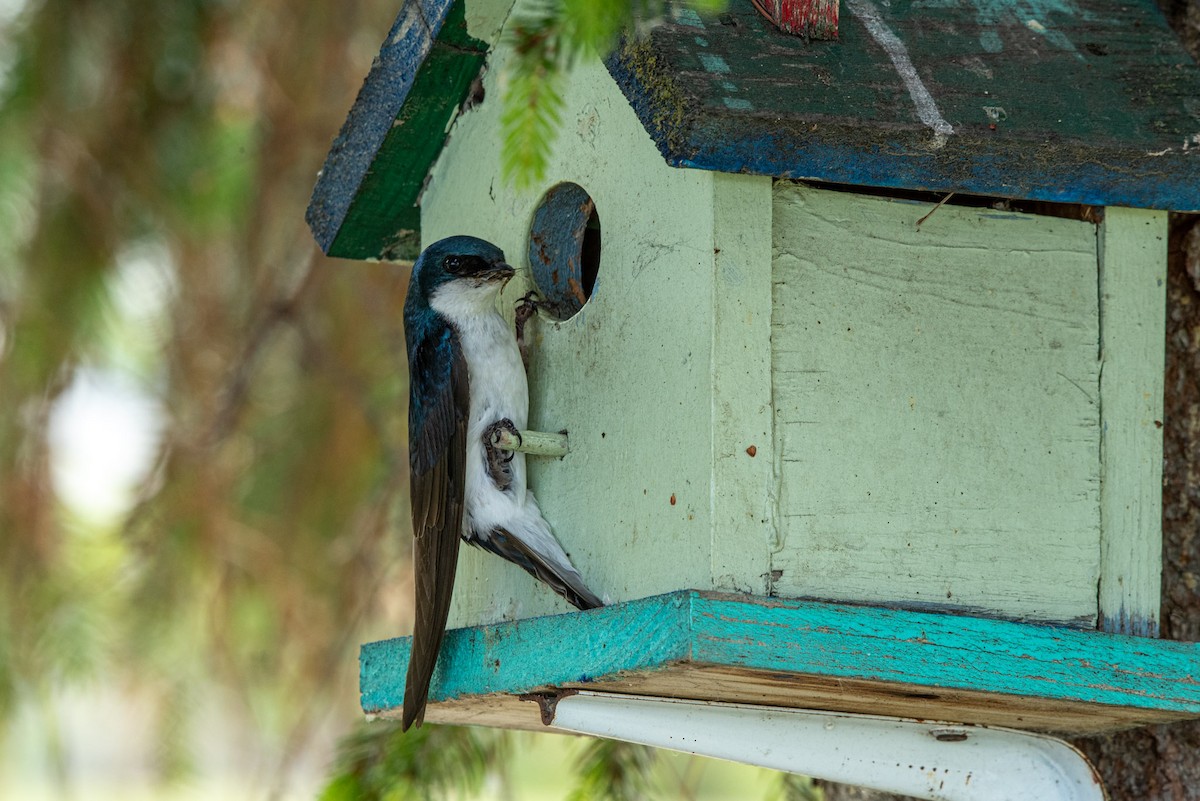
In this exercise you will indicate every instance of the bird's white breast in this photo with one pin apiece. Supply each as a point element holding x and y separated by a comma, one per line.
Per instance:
<point>499,390</point>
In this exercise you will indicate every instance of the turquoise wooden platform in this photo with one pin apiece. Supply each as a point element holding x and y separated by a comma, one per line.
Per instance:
<point>747,649</point>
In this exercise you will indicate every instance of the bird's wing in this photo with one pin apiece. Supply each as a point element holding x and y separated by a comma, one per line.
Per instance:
<point>439,408</point>
<point>551,567</point>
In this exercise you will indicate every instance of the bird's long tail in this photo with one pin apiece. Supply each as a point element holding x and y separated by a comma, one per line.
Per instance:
<point>435,561</point>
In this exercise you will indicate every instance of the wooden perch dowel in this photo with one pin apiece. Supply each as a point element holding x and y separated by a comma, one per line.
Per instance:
<point>533,443</point>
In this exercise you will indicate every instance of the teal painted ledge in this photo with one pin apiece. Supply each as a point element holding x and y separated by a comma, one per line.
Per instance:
<point>692,644</point>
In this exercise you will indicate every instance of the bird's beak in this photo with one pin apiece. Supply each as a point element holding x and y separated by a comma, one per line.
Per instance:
<point>500,272</point>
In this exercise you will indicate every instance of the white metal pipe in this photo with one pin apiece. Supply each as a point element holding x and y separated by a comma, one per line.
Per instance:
<point>941,762</point>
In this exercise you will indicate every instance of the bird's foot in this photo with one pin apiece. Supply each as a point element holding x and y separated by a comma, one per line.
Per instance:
<point>527,307</point>
<point>497,459</point>
<point>491,437</point>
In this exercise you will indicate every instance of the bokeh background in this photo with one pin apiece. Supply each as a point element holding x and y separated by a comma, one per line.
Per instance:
<point>202,456</point>
<point>203,466</point>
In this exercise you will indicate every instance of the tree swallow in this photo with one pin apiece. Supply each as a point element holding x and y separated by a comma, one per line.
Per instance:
<point>466,382</point>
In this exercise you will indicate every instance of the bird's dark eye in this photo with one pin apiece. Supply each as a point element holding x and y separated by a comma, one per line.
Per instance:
<point>464,265</point>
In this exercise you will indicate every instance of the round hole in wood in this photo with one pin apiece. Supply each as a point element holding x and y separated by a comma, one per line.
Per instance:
<point>564,250</point>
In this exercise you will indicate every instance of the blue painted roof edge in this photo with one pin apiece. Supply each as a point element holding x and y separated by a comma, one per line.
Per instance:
<point>1105,178</point>
<point>380,99</point>
<point>1170,181</point>
<point>497,658</point>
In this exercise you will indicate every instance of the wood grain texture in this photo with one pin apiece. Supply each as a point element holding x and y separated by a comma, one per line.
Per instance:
<point>743,496</point>
<point>1133,271</point>
<point>1158,763</point>
<point>808,655</point>
<point>936,399</point>
<point>1089,102</point>
<point>705,682</point>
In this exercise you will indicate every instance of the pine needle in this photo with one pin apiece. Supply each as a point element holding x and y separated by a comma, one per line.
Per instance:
<point>378,762</point>
<point>611,770</point>
<point>532,103</point>
<point>546,45</point>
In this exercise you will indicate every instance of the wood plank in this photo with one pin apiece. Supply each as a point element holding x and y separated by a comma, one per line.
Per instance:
<point>702,682</point>
<point>690,644</point>
<point>1090,102</point>
<point>742,497</point>
<point>364,205</point>
<point>936,397</point>
<point>1133,272</point>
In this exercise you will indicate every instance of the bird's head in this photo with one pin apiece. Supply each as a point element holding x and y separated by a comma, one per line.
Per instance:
<point>461,270</point>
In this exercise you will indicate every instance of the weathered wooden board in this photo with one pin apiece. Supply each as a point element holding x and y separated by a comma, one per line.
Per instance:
<point>807,655</point>
<point>936,403</point>
<point>1089,101</point>
<point>364,205</point>
<point>1133,276</point>
<point>744,479</point>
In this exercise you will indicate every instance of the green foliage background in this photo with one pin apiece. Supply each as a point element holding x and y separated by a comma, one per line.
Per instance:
<point>262,541</point>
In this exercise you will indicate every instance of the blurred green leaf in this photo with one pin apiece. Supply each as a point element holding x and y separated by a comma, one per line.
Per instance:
<point>547,43</point>
<point>797,788</point>
<point>378,762</point>
<point>611,770</point>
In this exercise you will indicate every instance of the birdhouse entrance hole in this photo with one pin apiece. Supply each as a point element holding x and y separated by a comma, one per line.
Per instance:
<point>564,249</point>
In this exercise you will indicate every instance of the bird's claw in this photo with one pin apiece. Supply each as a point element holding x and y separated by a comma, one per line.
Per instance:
<point>497,460</point>
<point>507,425</point>
<point>527,305</point>
<point>493,436</point>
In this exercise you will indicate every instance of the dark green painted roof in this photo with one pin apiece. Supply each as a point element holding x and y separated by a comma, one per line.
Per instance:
<point>1086,101</point>
<point>365,203</point>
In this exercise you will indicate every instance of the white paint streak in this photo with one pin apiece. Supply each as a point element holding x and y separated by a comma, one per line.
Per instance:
<point>927,110</point>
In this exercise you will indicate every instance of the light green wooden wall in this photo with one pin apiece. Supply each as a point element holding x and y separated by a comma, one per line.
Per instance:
<point>937,405</point>
<point>1133,276</point>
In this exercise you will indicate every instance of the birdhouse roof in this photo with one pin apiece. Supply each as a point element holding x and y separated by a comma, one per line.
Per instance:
<point>1079,101</point>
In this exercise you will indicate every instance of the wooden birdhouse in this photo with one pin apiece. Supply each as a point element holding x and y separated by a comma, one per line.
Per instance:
<point>858,344</point>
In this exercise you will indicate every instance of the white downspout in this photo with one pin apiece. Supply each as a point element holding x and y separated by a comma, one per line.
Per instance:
<point>937,761</point>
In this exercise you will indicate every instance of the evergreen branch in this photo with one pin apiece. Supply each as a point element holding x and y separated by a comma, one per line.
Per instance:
<point>378,762</point>
<point>532,103</point>
<point>792,787</point>
<point>546,46</point>
<point>612,770</point>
